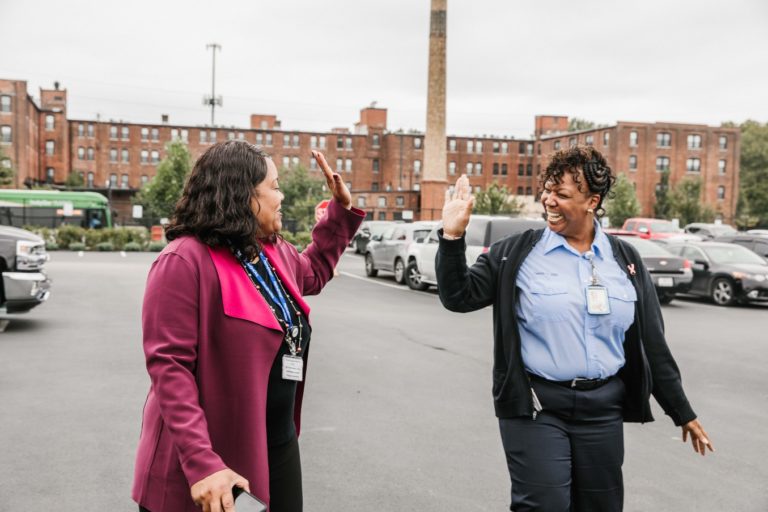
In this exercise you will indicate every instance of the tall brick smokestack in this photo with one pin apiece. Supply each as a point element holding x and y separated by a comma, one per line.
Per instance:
<point>434,182</point>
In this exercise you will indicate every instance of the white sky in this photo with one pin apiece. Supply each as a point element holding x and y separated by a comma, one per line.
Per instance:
<point>316,63</point>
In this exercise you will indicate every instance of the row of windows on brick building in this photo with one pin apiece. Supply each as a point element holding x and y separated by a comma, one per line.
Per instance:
<point>691,164</point>
<point>720,190</point>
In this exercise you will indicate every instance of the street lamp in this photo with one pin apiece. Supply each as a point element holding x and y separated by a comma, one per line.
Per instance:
<point>108,185</point>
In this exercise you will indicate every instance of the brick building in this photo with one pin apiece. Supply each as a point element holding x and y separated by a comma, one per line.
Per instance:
<point>383,168</point>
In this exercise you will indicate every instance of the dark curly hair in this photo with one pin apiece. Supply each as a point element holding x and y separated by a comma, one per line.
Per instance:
<point>215,206</point>
<point>581,160</point>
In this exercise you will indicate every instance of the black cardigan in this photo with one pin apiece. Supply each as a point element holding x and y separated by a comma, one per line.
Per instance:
<point>649,367</point>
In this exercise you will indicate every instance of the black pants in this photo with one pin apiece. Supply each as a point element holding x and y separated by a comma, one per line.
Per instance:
<point>569,458</point>
<point>285,491</point>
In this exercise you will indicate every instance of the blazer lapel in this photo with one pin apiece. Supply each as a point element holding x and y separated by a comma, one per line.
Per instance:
<point>238,294</point>
<point>274,257</point>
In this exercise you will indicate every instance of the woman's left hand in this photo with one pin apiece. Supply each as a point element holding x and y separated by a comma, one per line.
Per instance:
<point>699,438</point>
<point>335,184</point>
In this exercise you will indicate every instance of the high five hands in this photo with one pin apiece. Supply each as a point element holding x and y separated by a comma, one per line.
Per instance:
<point>457,208</point>
<point>335,184</point>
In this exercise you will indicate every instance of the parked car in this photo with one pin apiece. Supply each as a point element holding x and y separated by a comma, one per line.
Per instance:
<point>22,257</point>
<point>367,230</point>
<point>656,229</point>
<point>754,242</point>
<point>727,273</point>
<point>671,274</point>
<point>709,231</point>
<point>482,232</point>
<point>389,251</point>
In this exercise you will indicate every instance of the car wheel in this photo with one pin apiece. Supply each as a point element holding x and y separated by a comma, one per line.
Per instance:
<point>413,277</point>
<point>723,292</point>
<point>399,271</point>
<point>666,298</point>
<point>370,270</point>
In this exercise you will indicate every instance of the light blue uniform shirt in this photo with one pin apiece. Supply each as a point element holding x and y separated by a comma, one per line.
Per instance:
<point>560,340</point>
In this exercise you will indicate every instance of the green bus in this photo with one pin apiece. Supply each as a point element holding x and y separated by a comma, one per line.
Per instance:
<point>52,208</point>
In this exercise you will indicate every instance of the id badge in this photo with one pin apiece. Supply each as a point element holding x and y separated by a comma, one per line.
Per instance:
<point>597,300</point>
<point>293,368</point>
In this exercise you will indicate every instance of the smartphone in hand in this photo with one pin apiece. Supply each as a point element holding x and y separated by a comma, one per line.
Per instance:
<point>247,502</point>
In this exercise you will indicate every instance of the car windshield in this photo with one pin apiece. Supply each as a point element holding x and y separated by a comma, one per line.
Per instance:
<point>732,254</point>
<point>663,227</point>
<point>646,248</point>
<point>420,233</point>
<point>722,230</point>
<point>378,229</point>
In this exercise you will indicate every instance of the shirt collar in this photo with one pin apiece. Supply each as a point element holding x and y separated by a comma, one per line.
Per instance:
<point>601,246</point>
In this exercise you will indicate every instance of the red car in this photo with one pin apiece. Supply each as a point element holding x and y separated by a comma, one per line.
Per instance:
<point>653,229</point>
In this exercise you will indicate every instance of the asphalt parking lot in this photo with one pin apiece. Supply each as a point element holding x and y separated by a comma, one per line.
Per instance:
<point>398,414</point>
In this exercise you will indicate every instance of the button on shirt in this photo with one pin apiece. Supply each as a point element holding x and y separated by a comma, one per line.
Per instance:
<point>560,340</point>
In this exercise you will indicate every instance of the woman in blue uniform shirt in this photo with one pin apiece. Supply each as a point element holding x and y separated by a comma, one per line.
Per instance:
<point>578,340</point>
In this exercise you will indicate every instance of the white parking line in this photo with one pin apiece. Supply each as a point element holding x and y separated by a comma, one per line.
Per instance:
<point>372,281</point>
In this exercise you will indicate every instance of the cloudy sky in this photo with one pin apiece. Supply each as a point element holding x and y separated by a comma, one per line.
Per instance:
<point>315,63</point>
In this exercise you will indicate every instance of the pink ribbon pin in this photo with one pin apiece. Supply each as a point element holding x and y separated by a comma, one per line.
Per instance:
<point>631,268</point>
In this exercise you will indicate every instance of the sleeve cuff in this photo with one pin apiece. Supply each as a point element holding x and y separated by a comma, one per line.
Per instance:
<point>457,246</point>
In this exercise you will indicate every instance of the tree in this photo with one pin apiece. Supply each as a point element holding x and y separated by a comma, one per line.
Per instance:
<point>302,193</point>
<point>495,200</point>
<point>753,175</point>
<point>75,180</point>
<point>575,124</point>
<point>622,203</point>
<point>6,170</point>
<point>661,207</point>
<point>160,195</point>
<point>686,205</point>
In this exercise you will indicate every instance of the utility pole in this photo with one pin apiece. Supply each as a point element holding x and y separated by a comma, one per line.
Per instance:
<point>213,100</point>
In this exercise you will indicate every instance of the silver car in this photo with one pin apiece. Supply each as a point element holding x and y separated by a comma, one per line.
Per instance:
<point>482,232</point>
<point>389,250</point>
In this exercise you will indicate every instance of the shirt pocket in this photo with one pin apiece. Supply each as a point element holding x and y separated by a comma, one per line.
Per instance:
<point>622,299</point>
<point>549,301</point>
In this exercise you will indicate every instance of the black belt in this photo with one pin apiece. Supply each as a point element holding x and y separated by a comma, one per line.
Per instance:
<point>577,383</point>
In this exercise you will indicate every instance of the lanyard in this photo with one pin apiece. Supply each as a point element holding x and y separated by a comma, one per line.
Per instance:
<point>276,294</point>
<point>591,257</point>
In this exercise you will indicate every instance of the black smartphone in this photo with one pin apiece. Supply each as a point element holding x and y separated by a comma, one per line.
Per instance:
<point>247,502</point>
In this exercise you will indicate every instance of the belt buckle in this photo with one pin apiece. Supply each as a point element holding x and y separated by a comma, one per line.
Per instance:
<point>574,381</point>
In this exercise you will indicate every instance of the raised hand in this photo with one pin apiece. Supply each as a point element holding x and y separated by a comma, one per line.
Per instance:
<point>457,208</point>
<point>335,184</point>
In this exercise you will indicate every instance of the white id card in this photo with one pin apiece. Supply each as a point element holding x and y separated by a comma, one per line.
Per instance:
<point>293,367</point>
<point>597,300</point>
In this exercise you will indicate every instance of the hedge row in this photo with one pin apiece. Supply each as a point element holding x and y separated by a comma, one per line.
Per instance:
<point>75,238</point>
<point>131,238</point>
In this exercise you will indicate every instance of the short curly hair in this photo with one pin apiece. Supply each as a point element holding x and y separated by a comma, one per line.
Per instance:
<point>580,160</point>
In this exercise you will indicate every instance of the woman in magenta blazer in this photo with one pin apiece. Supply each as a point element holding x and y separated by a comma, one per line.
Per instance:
<point>226,336</point>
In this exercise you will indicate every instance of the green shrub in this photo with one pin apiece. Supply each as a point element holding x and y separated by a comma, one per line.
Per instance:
<point>132,247</point>
<point>51,246</point>
<point>156,246</point>
<point>301,240</point>
<point>66,235</point>
<point>76,246</point>
<point>93,237</point>
<point>105,246</point>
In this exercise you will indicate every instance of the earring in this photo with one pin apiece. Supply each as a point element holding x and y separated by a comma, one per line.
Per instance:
<point>590,211</point>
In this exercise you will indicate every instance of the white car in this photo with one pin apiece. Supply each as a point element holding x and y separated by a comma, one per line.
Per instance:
<point>387,251</point>
<point>482,232</point>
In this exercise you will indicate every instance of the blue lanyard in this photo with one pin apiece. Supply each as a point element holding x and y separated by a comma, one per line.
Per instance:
<point>275,293</point>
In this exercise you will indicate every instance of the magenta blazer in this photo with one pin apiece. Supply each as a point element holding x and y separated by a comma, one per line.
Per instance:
<point>210,340</point>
